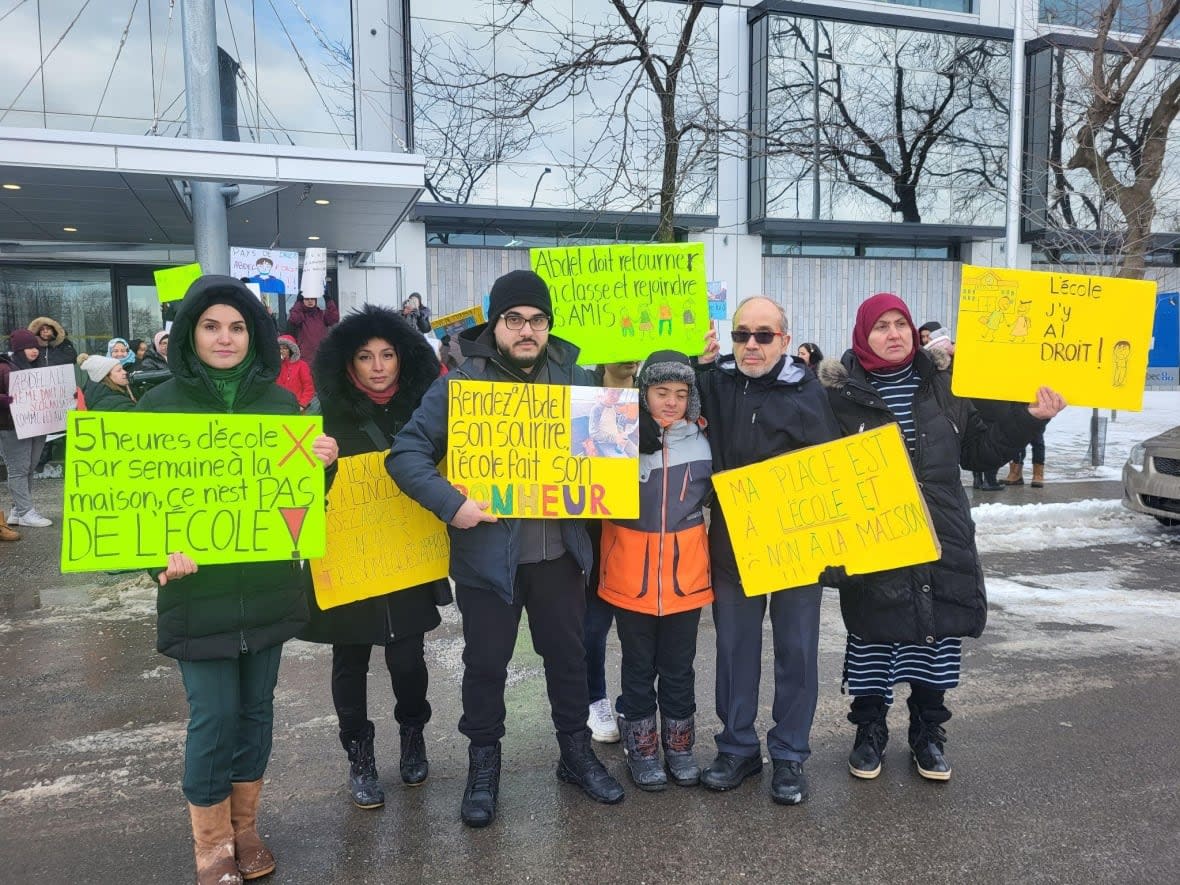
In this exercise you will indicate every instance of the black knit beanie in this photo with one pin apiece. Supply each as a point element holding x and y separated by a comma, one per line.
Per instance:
<point>670,365</point>
<point>516,289</point>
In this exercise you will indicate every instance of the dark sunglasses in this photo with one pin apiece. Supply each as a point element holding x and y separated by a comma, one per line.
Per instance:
<point>741,336</point>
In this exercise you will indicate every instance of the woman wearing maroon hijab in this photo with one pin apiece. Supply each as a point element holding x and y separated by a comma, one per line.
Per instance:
<point>907,624</point>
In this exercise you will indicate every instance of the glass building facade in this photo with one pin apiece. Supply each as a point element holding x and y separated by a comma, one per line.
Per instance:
<point>1067,202</point>
<point>118,67</point>
<point>548,105</point>
<point>877,123</point>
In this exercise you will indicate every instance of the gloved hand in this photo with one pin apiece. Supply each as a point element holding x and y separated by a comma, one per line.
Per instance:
<point>651,435</point>
<point>833,576</point>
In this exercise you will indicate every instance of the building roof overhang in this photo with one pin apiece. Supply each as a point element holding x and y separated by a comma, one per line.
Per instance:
<point>134,190</point>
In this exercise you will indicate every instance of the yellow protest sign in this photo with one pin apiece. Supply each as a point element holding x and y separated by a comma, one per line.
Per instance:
<point>853,502</point>
<point>545,450</point>
<point>173,282</point>
<point>454,323</point>
<point>623,302</point>
<point>379,539</point>
<point>221,488</point>
<point>1086,337</point>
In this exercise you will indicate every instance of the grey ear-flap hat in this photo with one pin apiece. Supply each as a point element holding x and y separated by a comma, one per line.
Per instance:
<point>670,365</point>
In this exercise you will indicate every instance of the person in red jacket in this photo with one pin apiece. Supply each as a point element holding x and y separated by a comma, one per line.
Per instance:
<point>309,324</point>
<point>294,373</point>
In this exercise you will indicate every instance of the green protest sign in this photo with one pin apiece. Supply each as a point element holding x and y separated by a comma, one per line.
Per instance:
<point>173,282</point>
<point>621,303</point>
<point>221,488</point>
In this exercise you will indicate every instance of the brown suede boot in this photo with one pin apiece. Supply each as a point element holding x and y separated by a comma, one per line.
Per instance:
<point>1015,475</point>
<point>7,534</point>
<point>254,858</point>
<point>1038,480</point>
<point>213,844</point>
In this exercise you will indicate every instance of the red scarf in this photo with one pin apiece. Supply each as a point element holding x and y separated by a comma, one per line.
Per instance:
<point>866,317</point>
<point>380,399</point>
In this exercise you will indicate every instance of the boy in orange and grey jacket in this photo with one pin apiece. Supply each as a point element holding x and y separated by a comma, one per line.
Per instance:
<point>655,571</point>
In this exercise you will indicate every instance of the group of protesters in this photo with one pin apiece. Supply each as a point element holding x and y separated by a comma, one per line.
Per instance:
<point>380,389</point>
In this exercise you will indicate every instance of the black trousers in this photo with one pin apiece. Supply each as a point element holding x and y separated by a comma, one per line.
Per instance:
<point>406,661</point>
<point>553,594</point>
<point>657,669</point>
<point>925,702</point>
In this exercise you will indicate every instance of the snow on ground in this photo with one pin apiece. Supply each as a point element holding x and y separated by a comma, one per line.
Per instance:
<point>1004,528</point>
<point>1067,439</point>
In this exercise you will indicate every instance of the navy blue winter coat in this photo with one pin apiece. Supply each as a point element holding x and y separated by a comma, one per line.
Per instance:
<point>486,555</point>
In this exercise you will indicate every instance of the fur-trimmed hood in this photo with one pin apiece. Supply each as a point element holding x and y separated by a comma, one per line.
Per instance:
<point>417,364</point>
<point>292,344</point>
<point>834,373</point>
<point>59,332</point>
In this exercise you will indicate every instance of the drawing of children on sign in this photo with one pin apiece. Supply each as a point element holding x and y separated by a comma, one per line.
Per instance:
<point>604,422</point>
<point>665,319</point>
<point>1122,354</point>
<point>995,318</point>
<point>627,325</point>
<point>1020,328</point>
<point>645,325</point>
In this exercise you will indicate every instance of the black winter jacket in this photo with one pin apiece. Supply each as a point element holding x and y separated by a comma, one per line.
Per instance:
<point>100,398</point>
<point>752,419</point>
<point>226,610</point>
<point>488,554</point>
<point>347,411</point>
<point>925,603</point>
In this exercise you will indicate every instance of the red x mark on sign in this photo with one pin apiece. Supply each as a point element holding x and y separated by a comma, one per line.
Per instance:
<point>298,447</point>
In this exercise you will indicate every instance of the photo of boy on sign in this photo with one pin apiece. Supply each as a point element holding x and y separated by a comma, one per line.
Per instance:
<point>605,422</point>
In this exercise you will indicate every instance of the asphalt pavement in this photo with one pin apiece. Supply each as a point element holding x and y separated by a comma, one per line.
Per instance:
<point>1062,730</point>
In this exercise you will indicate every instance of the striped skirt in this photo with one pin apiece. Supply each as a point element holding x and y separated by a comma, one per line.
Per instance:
<point>874,668</point>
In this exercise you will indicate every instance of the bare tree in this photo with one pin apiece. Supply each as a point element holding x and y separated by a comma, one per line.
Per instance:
<point>1122,102</point>
<point>628,84</point>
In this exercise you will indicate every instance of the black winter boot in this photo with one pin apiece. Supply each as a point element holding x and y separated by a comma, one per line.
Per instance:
<point>927,736</point>
<point>483,785</point>
<point>414,767</point>
<point>641,747</point>
<point>362,770</point>
<point>578,765</point>
<point>678,737</point>
<point>868,715</point>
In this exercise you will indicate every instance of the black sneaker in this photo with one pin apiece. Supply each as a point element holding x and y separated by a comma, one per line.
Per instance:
<point>867,749</point>
<point>789,785</point>
<point>926,743</point>
<point>363,785</point>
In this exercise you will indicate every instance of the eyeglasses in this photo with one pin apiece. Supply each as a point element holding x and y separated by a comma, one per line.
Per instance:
<point>741,336</point>
<point>538,322</point>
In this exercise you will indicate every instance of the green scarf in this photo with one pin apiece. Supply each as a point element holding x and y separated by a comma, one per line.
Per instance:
<point>227,381</point>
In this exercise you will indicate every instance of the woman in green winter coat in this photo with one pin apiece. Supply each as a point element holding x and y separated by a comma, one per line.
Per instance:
<point>226,624</point>
<point>106,388</point>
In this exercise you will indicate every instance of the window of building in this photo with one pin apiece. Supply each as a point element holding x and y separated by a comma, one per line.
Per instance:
<point>803,248</point>
<point>1130,18</point>
<point>497,130</point>
<point>77,297</point>
<point>286,71</point>
<point>947,5</point>
<point>875,123</point>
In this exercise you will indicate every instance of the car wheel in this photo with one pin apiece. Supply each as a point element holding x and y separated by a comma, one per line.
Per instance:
<point>1168,521</point>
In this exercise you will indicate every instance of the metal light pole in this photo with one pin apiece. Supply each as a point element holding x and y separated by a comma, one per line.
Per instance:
<point>1015,138</point>
<point>537,186</point>
<point>202,89</point>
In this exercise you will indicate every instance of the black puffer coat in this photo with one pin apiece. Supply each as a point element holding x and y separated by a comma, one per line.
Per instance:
<point>380,619</point>
<point>925,603</point>
<point>226,610</point>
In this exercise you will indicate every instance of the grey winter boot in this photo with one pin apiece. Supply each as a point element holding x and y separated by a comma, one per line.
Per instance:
<point>362,770</point>
<point>641,746</point>
<point>678,737</point>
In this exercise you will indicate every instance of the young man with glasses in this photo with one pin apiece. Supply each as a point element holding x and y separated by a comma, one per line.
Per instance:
<point>504,566</point>
<point>761,402</point>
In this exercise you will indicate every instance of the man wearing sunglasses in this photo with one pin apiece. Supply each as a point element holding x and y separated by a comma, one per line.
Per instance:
<point>760,402</point>
<point>504,566</point>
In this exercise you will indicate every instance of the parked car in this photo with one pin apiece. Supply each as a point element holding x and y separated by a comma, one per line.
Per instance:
<point>1151,477</point>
